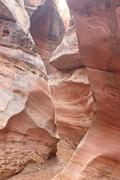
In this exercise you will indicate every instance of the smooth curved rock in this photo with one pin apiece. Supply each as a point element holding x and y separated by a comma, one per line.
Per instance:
<point>72,98</point>
<point>67,55</point>
<point>99,41</point>
<point>27,131</point>
<point>27,128</point>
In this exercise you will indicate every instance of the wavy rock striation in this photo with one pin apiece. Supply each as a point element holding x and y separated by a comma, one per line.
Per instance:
<point>72,98</point>
<point>98,154</point>
<point>27,129</point>
<point>72,95</point>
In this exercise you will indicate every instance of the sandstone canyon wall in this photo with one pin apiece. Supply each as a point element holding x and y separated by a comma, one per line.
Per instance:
<point>98,31</point>
<point>27,128</point>
<point>72,95</point>
<point>79,93</point>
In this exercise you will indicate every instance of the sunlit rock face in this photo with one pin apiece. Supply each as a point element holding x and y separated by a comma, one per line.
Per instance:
<point>98,31</point>
<point>67,55</point>
<point>27,129</point>
<point>64,12</point>
<point>47,30</point>
<point>72,98</point>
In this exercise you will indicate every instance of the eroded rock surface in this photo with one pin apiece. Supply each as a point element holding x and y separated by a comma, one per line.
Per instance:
<point>72,98</point>
<point>67,55</point>
<point>72,95</point>
<point>97,155</point>
<point>51,167</point>
<point>27,129</point>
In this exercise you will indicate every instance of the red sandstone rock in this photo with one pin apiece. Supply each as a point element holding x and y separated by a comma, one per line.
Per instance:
<point>97,155</point>
<point>72,98</point>
<point>27,129</point>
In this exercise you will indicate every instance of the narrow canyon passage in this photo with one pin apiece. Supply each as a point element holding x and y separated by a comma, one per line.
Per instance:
<point>59,90</point>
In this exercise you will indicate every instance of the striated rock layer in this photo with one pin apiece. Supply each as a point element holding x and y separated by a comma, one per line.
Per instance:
<point>72,95</point>
<point>27,129</point>
<point>98,154</point>
<point>72,98</point>
<point>67,55</point>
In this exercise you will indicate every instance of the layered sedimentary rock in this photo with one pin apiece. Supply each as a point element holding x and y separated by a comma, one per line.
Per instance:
<point>72,95</point>
<point>67,55</point>
<point>47,30</point>
<point>98,154</point>
<point>72,98</point>
<point>27,129</point>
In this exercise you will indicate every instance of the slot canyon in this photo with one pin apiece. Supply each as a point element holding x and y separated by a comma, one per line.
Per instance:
<point>59,90</point>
